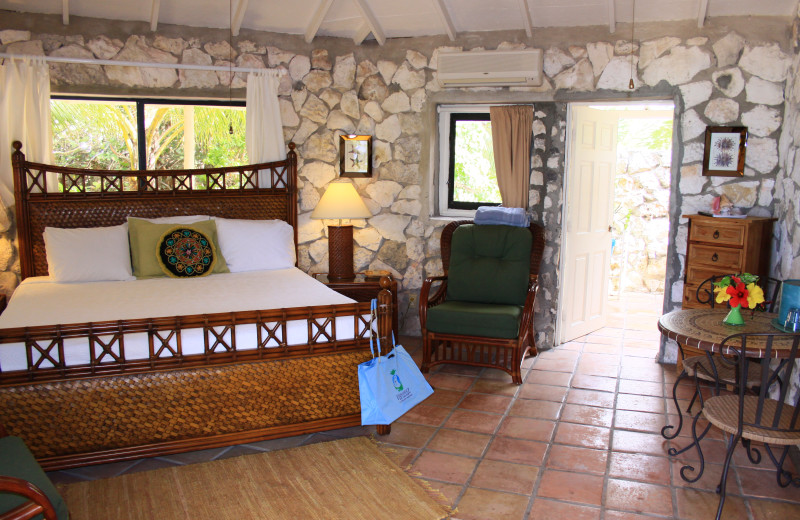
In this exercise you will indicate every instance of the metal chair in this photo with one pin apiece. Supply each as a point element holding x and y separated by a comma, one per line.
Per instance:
<point>774,421</point>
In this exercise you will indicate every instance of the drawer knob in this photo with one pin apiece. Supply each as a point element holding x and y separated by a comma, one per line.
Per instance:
<point>716,233</point>
<point>714,257</point>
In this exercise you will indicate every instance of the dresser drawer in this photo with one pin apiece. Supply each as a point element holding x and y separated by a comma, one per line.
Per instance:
<point>718,258</point>
<point>717,233</point>
<point>697,274</point>
<point>690,297</point>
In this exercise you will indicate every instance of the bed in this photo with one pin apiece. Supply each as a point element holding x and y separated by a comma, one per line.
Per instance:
<point>107,371</point>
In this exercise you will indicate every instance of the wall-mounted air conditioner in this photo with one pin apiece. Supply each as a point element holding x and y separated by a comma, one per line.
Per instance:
<point>490,68</point>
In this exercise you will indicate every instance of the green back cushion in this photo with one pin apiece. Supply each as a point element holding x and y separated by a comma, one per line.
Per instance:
<point>489,264</point>
<point>17,461</point>
<point>145,239</point>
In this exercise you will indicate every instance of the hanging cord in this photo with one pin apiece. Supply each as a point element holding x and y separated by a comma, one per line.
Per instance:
<point>633,21</point>
<point>230,66</point>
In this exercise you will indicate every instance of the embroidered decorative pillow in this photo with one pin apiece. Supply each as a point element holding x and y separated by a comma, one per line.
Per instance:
<point>145,239</point>
<point>184,252</point>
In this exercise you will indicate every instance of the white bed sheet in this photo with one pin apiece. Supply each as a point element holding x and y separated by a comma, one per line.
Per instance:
<point>40,301</point>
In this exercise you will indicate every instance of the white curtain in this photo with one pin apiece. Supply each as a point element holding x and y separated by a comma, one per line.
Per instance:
<point>264,129</point>
<point>24,117</point>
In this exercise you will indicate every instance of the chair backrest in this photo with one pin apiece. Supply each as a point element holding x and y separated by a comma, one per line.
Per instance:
<point>773,411</point>
<point>537,245</point>
<point>489,264</point>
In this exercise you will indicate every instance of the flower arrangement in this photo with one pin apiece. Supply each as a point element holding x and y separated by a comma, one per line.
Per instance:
<point>739,291</point>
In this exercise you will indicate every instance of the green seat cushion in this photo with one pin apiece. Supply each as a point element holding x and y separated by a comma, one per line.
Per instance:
<point>489,264</point>
<point>475,319</point>
<point>16,460</point>
<point>145,238</point>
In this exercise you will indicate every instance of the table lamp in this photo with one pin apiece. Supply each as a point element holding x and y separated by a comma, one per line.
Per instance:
<point>340,201</point>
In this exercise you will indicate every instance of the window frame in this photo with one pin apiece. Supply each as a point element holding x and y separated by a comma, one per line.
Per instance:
<point>141,142</point>
<point>446,172</point>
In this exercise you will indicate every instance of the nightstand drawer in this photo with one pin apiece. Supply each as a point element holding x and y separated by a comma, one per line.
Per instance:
<point>713,233</point>
<point>722,258</point>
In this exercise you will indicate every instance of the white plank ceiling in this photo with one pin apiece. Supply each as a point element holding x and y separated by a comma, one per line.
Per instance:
<point>381,19</point>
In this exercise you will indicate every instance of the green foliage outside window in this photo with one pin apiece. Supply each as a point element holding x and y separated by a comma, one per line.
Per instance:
<point>103,135</point>
<point>475,179</point>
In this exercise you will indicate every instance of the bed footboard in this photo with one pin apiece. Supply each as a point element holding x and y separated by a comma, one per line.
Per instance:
<point>100,415</point>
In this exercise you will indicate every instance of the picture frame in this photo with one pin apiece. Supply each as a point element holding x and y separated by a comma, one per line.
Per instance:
<point>724,152</point>
<point>355,156</point>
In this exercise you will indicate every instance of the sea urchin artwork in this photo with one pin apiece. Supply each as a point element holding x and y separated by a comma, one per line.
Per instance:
<point>723,159</point>
<point>724,151</point>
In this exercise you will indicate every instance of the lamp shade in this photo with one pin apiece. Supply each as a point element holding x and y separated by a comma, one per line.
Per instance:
<point>341,200</point>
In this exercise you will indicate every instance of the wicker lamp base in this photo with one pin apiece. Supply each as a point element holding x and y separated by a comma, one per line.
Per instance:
<point>340,253</point>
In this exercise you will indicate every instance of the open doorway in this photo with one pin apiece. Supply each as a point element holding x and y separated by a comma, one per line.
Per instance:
<point>616,214</point>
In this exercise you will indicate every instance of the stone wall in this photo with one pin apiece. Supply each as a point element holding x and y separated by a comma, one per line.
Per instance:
<point>728,73</point>
<point>786,254</point>
<point>641,221</point>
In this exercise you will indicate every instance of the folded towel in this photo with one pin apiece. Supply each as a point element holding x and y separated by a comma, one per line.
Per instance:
<point>500,216</point>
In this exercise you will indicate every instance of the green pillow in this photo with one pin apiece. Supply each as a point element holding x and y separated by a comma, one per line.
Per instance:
<point>146,236</point>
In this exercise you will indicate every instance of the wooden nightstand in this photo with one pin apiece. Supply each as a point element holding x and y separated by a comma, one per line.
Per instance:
<point>362,290</point>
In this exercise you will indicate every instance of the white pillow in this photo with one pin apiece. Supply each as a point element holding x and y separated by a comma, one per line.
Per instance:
<point>254,245</point>
<point>176,219</point>
<point>88,254</point>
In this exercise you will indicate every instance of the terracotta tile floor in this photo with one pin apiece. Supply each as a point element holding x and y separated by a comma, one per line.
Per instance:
<point>578,440</point>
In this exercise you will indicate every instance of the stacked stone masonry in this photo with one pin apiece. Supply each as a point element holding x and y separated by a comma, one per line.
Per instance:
<point>729,73</point>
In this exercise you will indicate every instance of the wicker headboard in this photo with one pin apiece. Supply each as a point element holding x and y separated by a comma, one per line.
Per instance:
<point>93,198</point>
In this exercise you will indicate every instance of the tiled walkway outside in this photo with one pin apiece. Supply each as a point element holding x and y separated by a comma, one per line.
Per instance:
<point>578,440</point>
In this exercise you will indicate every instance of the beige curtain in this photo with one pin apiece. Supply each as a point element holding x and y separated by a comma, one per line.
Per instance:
<point>512,127</point>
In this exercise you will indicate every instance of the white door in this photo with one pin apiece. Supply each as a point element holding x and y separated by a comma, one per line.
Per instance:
<point>588,218</point>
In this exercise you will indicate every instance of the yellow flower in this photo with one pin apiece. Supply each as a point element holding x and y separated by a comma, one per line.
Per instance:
<point>755,295</point>
<point>722,294</point>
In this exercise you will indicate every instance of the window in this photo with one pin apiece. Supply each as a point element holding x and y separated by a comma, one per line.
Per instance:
<point>125,134</point>
<point>467,177</point>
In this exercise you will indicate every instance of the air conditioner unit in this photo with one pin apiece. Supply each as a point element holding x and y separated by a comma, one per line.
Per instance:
<point>490,68</point>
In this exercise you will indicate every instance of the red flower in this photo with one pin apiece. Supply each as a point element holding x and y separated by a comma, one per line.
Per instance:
<point>738,292</point>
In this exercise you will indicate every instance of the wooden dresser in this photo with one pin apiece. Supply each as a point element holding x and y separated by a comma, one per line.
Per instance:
<point>720,246</point>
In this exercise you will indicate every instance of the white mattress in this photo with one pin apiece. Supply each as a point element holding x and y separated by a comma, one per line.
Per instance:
<point>39,301</point>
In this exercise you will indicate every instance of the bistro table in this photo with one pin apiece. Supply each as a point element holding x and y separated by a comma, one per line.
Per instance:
<point>704,330</point>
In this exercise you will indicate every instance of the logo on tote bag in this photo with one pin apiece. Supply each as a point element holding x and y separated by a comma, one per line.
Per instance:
<point>398,385</point>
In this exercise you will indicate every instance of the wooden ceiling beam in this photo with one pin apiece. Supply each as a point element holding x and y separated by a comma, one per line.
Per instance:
<point>702,11</point>
<point>316,19</point>
<point>369,17</point>
<point>238,17</point>
<point>525,11</point>
<point>154,15</point>
<point>361,33</point>
<point>612,17</point>
<point>65,12</point>
<point>447,22</point>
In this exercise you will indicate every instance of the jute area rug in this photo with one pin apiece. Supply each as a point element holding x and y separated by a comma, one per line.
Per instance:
<point>345,479</point>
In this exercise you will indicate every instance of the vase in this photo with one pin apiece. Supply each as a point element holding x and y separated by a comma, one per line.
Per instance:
<point>734,316</point>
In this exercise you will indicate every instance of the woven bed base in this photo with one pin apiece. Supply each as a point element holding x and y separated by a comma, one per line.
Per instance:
<point>106,419</point>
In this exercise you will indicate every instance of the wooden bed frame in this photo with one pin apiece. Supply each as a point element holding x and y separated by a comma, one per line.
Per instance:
<point>115,409</point>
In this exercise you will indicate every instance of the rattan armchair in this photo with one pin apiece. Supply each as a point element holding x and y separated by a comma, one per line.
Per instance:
<point>760,418</point>
<point>25,490</point>
<point>464,340</point>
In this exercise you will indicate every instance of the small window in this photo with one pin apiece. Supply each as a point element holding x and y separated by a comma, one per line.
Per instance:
<point>467,177</point>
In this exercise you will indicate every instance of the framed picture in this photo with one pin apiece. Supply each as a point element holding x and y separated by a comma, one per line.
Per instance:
<point>355,156</point>
<point>724,152</point>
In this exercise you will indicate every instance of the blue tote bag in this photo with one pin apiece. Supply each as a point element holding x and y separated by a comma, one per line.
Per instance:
<point>389,385</point>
